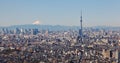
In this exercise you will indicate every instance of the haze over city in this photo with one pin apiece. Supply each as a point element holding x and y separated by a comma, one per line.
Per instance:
<point>60,12</point>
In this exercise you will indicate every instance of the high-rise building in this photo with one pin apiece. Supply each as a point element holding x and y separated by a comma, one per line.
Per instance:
<point>35,31</point>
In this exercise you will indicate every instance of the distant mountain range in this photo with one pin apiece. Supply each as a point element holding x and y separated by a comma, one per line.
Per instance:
<point>58,27</point>
<point>43,27</point>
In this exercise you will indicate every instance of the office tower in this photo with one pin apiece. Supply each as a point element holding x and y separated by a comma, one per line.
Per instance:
<point>35,31</point>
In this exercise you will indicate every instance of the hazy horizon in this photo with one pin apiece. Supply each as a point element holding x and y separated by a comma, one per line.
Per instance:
<point>60,12</point>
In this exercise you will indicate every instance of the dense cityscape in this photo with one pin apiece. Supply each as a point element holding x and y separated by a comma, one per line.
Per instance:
<point>89,45</point>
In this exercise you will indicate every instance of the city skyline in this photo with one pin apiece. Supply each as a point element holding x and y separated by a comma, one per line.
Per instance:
<point>62,12</point>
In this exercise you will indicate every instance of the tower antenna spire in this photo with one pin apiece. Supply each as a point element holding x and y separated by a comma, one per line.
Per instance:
<point>81,14</point>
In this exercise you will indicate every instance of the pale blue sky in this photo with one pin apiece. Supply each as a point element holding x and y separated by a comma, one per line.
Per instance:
<point>60,12</point>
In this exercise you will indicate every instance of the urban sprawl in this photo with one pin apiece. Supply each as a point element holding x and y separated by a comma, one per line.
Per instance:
<point>44,46</point>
